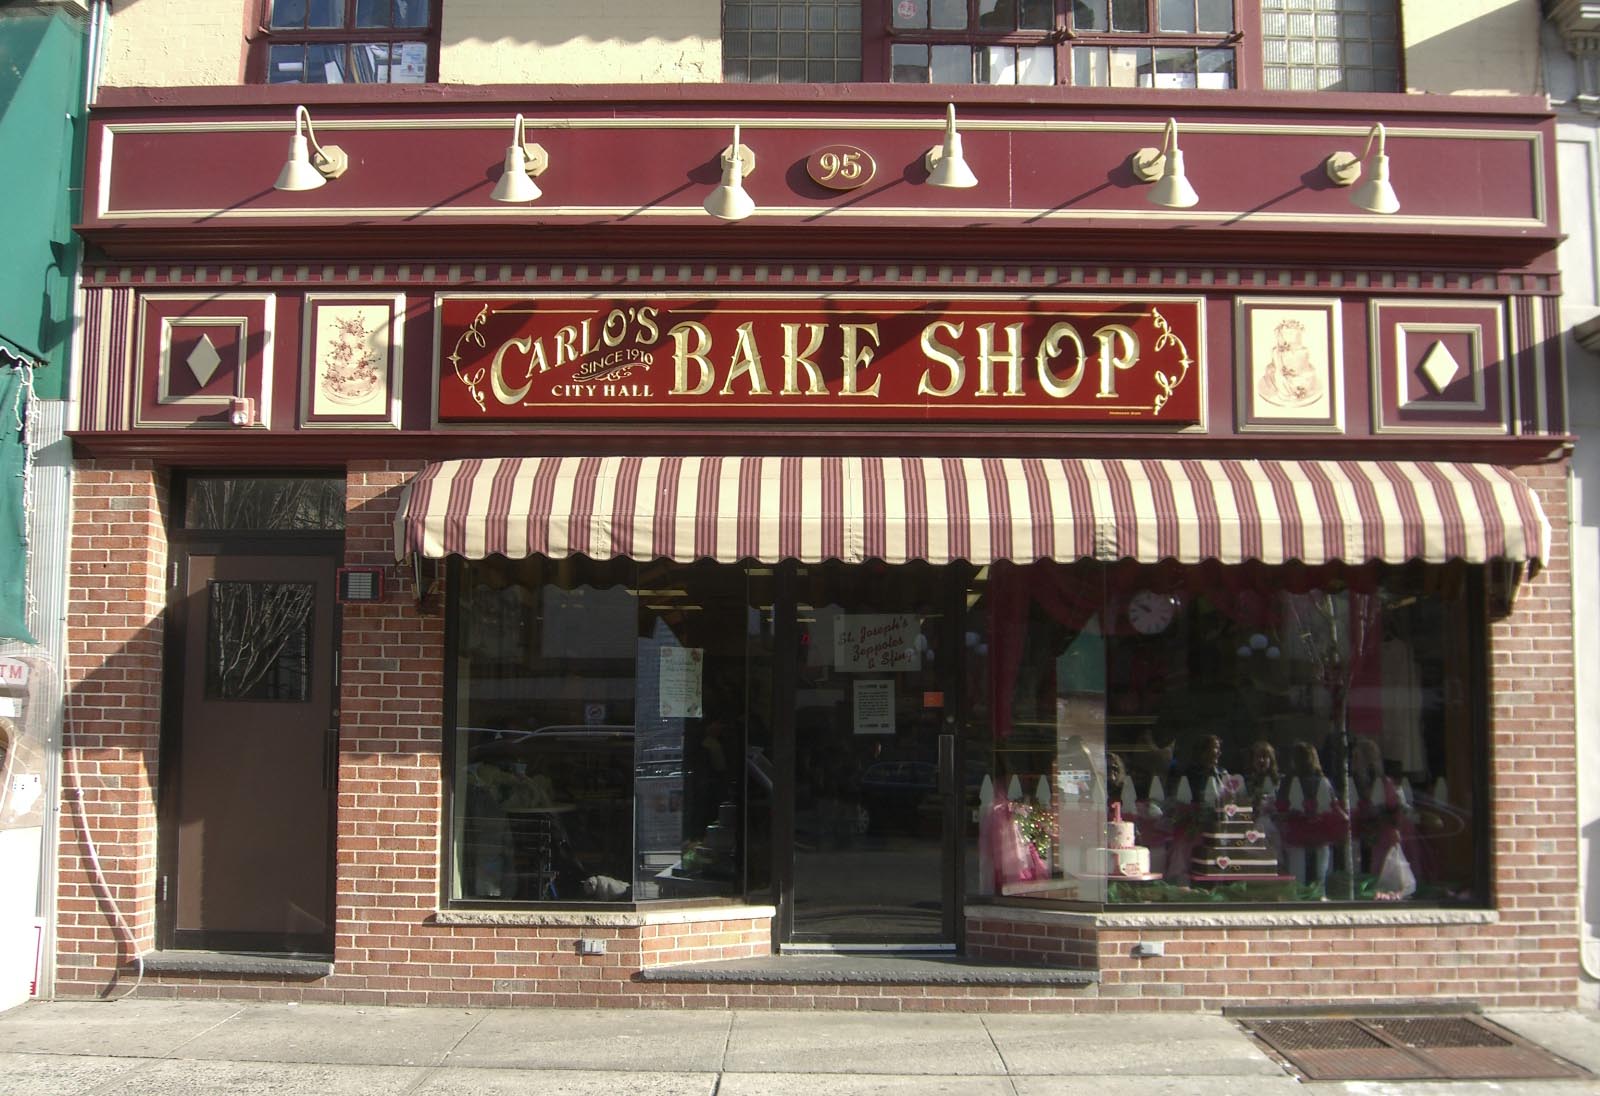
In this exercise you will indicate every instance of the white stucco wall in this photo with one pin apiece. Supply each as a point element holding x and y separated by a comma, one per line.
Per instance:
<point>1577,178</point>
<point>581,42</point>
<point>175,43</point>
<point>1471,47</point>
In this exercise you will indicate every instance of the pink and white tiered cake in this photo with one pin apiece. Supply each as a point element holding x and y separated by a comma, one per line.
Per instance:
<point>1121,856</point>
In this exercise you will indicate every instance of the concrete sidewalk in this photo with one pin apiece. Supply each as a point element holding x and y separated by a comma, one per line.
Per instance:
<point>139,1047</point>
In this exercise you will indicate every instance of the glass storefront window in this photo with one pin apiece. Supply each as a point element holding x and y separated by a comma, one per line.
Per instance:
<point>1123,734</point>
<point>1264,734</point>
<point>602,750</point>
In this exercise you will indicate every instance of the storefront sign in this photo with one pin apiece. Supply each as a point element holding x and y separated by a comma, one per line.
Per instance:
<point>877,643</point>
<point>1033,359</point>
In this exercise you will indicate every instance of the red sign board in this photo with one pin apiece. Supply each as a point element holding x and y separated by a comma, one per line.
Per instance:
<point>1037,360</point>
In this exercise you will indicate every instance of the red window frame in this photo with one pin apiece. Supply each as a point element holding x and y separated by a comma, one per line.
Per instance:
<point>265,36</point>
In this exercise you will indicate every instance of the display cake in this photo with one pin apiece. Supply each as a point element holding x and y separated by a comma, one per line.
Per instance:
<point>1232,844</point>
<point>1121,856</point>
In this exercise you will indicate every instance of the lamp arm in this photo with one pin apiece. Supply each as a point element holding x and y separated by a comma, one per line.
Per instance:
<point>301,114</point>
<point>1376,133</point>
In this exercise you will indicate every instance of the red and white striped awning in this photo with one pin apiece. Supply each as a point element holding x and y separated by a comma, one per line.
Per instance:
<point>976,509</point>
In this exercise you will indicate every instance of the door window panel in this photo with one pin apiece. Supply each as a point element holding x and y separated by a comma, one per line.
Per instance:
<point>258,640</point>
<point>263,504</point>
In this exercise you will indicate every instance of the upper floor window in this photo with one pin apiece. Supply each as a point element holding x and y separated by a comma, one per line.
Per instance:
<point>1091,43</point>
<point>348,42</point>
<point>1321,45</point>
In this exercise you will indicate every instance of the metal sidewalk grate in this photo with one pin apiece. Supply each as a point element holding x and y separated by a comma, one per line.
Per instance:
<point>1394,1048</point>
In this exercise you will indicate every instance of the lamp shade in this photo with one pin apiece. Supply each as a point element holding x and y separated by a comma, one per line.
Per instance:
<point>1172,190</point>
<point>515,184</point>
<point>297,173</point>
<point>728,200</point>
<point>1374,193</point>
<point>947,167</point>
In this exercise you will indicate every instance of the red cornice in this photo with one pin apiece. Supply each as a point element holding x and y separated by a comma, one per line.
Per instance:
<point>241,449</point>
<point>780,244</point>
<point>786,98</point>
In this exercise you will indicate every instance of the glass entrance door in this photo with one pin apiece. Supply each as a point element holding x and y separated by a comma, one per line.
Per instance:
<point>873,764</point>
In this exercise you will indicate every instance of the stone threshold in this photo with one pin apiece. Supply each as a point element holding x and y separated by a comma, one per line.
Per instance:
<point>845,968</point>
<point>237,962</point>
<point>1338,917</point>
<point>605,919</point>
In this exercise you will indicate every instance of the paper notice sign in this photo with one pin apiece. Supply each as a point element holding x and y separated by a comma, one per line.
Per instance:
<point>874,706</point>
<point>680,682</point>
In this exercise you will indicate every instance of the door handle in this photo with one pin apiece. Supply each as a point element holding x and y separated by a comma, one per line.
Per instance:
<point>330,755</point>
<point>947,765</point>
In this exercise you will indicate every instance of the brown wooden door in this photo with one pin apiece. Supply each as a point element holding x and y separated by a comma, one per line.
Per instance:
<point>247,842</point>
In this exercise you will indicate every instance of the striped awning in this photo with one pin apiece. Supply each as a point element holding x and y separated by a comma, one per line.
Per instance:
<point>975,509</point>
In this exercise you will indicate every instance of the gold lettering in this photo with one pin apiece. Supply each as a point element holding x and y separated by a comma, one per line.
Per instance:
<point>497,379</point>
<point>566,344</point>
<point>614,328</point>
<point>987,359</point>
<point>854,359</point>
<point>1119,349</point>
<point>746,360</point>
<point>589,345</point>
<point>648,331</point>
<point>1050,348</point>
<point>794,360</point>
<point>682,356</point>
<point>946,356</point>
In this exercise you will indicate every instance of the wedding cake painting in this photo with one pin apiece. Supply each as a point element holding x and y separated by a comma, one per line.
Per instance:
<point>352,344</point>
<point>1293,368</point>
<point>1290,378</point>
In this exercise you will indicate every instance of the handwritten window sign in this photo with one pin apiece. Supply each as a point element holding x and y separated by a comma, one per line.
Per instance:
<point>874,706</point>
<point>876,643</point>
<point>680,682</point>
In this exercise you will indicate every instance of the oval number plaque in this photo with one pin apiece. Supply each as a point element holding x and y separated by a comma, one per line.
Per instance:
<point>841,167</point>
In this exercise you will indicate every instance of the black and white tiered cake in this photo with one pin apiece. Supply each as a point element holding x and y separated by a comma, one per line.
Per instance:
<point>1233,845</point>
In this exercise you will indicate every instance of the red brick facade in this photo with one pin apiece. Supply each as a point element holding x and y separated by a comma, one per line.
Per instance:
<point>393,946</point>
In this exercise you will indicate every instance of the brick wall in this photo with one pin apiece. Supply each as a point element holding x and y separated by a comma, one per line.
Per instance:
<point>392,947</point>
<point>390,790</point>
<point>112,684</point>
<point>1528,956</point>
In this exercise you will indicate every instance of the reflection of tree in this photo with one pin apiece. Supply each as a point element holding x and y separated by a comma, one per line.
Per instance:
<point>1336,631</point>
<point>251,624</point>
<point>266,504</point>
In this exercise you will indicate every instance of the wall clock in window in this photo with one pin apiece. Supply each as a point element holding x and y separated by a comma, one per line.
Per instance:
<point>1150,612</point>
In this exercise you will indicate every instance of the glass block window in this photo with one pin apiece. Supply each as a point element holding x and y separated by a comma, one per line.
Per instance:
<point>802,41</point>
<point>349,42</point>
<point>1330,45</point>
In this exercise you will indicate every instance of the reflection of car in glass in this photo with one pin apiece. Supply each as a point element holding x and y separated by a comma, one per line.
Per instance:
<point>902,796</point>
<point>565,794</point>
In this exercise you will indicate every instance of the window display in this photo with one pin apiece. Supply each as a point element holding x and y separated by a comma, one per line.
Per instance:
<point>599,727</point>
<point>1271,734</point>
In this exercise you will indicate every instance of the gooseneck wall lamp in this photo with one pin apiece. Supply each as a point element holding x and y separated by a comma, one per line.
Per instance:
<point>729,200</point>
<point>523,161</point>
<point>1163,167</point>
<point>1373,193</point>
<point>945,163</point>
<point>310,165</point>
